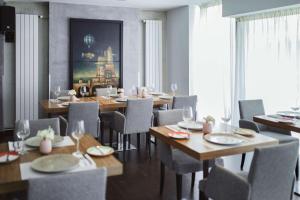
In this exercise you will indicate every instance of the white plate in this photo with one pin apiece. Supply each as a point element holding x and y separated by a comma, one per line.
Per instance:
<point>223,139</point>
<point>121,99</point>
<point>245,132</point>
<point>55,163</point>
<point>8,157</point>
<point>156,93</point>
<point>197,126</point>
<point>64,98</point>
<point>35,141</point>
<point>289,114</point>
<point>166,97</point>
<point>114,95</point>
<point>100,151</point>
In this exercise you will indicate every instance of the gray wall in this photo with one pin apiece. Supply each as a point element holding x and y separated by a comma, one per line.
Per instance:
<point>60,15</point>
<point>240,7</point>
<point>178,49</point>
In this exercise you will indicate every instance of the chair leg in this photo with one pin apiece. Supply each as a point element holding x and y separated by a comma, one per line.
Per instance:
<point>138,140</point>
<point>148,136</point>
<point>193,181</point>
<point>243,161</point>
<point>162,177</point>
<point>111,133</point>
<point>297,170</point>
<point>179,186</point>
<point>124,147</point>
<point>102,132</point>
<point>129,141</point>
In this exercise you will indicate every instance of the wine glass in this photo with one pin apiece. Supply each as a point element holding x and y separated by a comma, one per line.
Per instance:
<point>296,107</point>
<point>174,88</point>
<point>187,115</point>
<point>109,90</point>
<point>23,132</point>
<point>227,117</point>
<point>77,133</point>
<point>57,92</point>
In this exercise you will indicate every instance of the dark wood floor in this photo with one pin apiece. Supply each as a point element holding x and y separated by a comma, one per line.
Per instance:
<point>140,180</point>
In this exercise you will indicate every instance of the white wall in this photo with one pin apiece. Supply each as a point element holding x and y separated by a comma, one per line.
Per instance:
<point>178,49</point>
<point>241,7</point>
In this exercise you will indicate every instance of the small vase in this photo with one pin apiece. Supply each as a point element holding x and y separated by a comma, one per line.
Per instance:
<point>46,146</point>
<point>207,128</point>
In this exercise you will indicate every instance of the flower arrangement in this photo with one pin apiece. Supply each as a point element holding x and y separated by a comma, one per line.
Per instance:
<point>46,133</point>
<point>72,92</point>
<point>209,119</point>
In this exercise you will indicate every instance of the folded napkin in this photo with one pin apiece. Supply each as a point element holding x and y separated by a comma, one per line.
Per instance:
<point>28,173</point>
<point>17,145</point>
<point>175,128</point>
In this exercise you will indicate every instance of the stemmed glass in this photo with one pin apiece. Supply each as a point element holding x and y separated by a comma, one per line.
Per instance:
<point>187,115</point>
<point>296,107</point>
<point>77,133</point>
<point>109,90</point>
<point>57,92</point>
<point>22,133</point>
<point>174,88</point>
<point>227,116</point>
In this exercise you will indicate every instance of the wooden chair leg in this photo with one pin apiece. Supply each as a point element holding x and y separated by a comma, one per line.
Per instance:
<point>297,169</point>
<point>243,161</point>
<point>111,134</point>
<point>124,147</point>
<point>193,181</point>
<point>162,178</point>
<point>179,186</point>
<point>138,140</point>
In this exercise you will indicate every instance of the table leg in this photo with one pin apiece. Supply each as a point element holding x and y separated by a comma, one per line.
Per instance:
<point>205,174</point>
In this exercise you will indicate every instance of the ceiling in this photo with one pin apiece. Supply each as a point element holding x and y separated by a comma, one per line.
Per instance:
<point>142,4</point>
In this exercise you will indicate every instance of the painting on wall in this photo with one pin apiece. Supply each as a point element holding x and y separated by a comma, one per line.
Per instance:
<point>95,54</point>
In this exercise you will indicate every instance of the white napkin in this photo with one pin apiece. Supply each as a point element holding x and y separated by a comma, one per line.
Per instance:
<point>175,128</point>
<point>66,142</point>
<point>28,173</point>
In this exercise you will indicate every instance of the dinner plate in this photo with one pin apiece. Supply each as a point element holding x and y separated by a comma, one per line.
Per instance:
<point>289,114</point>
<point>191,125</point>
<point>166,97</point>
<point>64,98</point>
<point>245,132</point>
<point>100,151</point>
<point>121,99</point>
<point>114,95</point>
<point>179,135</point>
<point>156,93</point>
<point>35,141</point>
<point>55,163</point>
<point>7,157</point>
<point>223,139</point>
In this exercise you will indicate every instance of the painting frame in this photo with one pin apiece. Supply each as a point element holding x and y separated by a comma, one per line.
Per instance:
<point>74,22</point>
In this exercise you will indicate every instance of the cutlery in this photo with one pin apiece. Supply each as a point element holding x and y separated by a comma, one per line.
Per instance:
<point>14,146</point>
<point>86,157</point>
<point>83,159</point>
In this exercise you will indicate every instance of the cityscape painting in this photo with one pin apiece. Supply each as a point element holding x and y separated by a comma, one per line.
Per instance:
<point>95,54</point>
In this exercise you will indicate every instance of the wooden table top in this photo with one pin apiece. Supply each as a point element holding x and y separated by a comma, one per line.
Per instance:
<point>10,176</point>
<point>104,104</point>
<point>271,121</point>
<point>200,149</point>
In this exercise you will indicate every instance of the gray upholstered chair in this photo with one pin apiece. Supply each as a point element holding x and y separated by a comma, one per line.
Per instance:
<point>138,119</point>
<point>251,108</point>
<point>88,112</point>
<point>271,177</point>
<point>87,185</point>
<point>40,124</point>
<point>175,159</point>
<point>179,102</point>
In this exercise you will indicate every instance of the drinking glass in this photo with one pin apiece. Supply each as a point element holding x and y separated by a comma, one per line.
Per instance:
<point>174,88</point>
<point>227,117</point>
<point>187,115</point>
<point>296,107</point>
<point>57,92</point>
<point>109,90</point>
<point>77,133</point>
<point>83,91</point>
<point>22,133</point>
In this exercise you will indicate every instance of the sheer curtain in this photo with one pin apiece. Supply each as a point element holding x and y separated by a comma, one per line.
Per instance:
<point>268,48</point>
<point>212,62</point>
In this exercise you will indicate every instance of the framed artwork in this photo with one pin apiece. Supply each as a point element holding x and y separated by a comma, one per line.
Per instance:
<point>95,54</point>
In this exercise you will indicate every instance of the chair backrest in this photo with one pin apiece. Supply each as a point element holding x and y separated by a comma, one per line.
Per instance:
<point>271,173</point>
<point>41,124</point>
<point>179,102</point>
<point>103,91</point>
<point>139,115</point>
<point>88,112</point>
<point>169,117</point>
<point>87,185</point>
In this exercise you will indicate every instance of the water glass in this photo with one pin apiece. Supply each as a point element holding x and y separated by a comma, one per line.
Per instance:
<point>174,88</point>
<point>23,132</point>
<point>77,133</point>
<point>109,90</point>
<point>187,115</point>
<point>227,117</point>
<point>57,92</point>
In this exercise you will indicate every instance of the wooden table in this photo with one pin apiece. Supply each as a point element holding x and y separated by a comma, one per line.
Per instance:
<point>200,149</point>
<point>104,104</point>
<point>10,176</point>
<point>273,122</point>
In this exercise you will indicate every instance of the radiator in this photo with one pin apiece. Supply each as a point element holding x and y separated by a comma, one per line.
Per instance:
<point>26,67</point>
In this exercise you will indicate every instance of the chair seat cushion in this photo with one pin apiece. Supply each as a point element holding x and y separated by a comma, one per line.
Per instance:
<point>281,137</point>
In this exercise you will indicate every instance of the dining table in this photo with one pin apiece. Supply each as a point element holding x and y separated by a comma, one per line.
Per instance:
<point>52,107</point>
<point>10,173</point>
<point>199,148</point>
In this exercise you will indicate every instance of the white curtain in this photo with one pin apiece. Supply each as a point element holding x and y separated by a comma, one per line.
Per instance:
<point>212,60</point>
<point>268,58</point>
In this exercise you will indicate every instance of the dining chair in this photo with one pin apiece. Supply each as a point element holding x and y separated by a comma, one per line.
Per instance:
<point>249,109</point>
<point>87,185</point>
<point>138,118</point>
<point>174,159</point>
<point>271,176</point>
<point>88,112</point>
<point>179,102</point>
<point>41,124</point>
<point>103,91</point>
